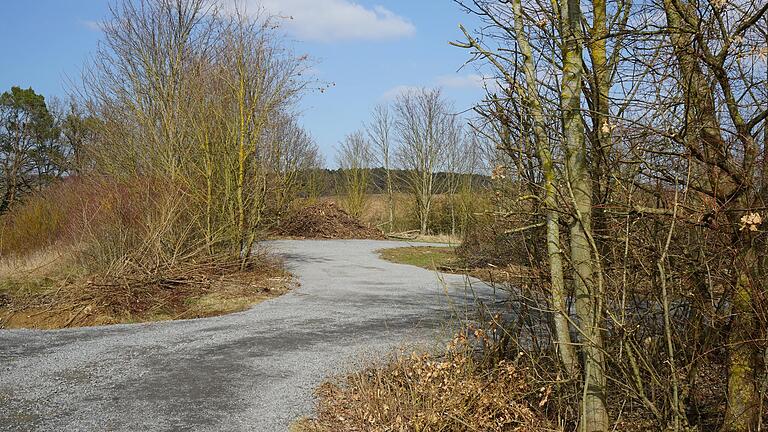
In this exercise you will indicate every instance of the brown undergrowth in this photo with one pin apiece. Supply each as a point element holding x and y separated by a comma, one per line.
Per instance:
<point>464,389</point>
<point>47,293</point>
<point>494,376</point>
<point>399,391</point>
<point>99,250</point>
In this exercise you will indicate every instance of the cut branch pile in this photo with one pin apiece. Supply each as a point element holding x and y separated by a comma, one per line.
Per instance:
<point>326,220</point>
<point>136,292</point>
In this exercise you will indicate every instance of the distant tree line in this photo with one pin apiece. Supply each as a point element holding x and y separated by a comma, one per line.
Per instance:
<point>377,181</point>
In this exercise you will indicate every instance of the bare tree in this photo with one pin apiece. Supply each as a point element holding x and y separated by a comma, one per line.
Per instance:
<point>705,42</point>
<point>189,93</point>
<point>653,136</point>
<point>354,158</point>
<point>457,166</point>
<point>587,274</point>
<point>425,125</point>
<point>530,97</point>
<point>380,133</point>
<point>290,153</point>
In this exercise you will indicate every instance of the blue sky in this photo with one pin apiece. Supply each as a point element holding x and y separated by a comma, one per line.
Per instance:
<point>368,49</point>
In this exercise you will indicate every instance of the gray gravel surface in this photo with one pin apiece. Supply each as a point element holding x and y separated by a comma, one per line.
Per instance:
<point>254,370</point>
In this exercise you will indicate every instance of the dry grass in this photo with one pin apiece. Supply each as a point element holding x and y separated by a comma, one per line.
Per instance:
<point>43,262</point>
<point>376,213</point>
<point>456,392</point>
<point>483,382</point>
<point>438,238</point>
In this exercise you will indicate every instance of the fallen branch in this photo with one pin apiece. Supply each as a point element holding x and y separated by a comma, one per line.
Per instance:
<point>71,320</point>
<point>405,235</point>
<point>525,228</point>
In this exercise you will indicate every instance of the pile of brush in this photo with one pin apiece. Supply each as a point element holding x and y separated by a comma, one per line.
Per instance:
<point>326,220</point>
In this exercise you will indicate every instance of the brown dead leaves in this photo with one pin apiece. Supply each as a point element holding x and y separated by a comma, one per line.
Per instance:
<point>454,392</point>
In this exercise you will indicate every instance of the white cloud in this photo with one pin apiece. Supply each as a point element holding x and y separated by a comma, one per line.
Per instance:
<point>336,20</point>
<point>396,91</point>
<point>461,81</point>
<point>91,25</point>
<point>450,82</point>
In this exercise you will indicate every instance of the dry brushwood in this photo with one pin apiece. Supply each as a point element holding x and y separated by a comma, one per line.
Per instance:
<point>457,391</point>
<point>326,220</point>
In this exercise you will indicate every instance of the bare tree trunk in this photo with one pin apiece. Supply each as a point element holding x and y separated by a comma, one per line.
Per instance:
<point>208,191</point>
<point>594,416</point>
<point>704,138</point>
<point>559,297</point>
<point>600,112</point>
<point>390,200</point>
<point>380,134</point>
<point>242,156</point>
<point>743,413</point>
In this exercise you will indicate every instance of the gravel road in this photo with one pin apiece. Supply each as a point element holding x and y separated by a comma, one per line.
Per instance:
<point>250,371</point>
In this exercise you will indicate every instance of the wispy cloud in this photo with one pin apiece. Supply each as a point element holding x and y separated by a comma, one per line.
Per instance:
<point>450,82</point>
<point>91,25</point>
<point>336,20</point>
<point>461,81</point>
<point>396,91</point>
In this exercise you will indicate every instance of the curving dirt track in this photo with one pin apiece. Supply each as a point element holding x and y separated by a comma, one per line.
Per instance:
<point>249,371</point>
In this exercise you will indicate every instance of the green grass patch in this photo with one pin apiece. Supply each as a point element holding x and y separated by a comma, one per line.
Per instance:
<point>428,257</point>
